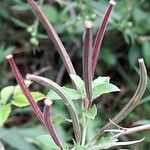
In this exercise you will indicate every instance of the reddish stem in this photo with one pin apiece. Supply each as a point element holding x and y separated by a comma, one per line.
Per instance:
<point>87,60</point>
<point>53,36</point>
<point>48,122</point>
<point>100,35</point>
<point>24,88</point>
<point>44,119</point>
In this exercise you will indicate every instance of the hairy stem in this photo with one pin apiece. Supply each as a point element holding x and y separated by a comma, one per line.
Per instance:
<point>53,36</point>
<point>87,60</point>
<point>24,88</point>
<point>48,122</point>
<point>131,104</point>
<point>100,35</point>
<point>84,130</point>
<point>133,130</point>
<point>56,88</point>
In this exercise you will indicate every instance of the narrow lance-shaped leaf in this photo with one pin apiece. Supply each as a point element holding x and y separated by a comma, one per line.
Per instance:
<point>100,35</point>
<point>87,60</point>
<point>48,142</point>
<point>49,124</point>
<point>131,104</point>
<point>53,36</point>
<point>55,87</point>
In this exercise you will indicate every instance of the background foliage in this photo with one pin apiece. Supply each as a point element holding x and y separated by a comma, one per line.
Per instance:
<point>127,38</point>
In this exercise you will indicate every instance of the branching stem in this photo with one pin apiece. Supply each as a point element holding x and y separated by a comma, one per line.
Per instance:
<point>130,105</point>
<point>56,88</point>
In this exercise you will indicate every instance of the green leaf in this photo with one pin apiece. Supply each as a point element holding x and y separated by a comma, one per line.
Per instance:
<point>109,142</point>
<point>15,140</point>
<point>100,80</point>
<point>71,93</point>
<point>22,7</point>
<point>146,53</point>
<point>21,101</point>
<point>107,139</point>
<point>50,12</point>
<point>103,89</point>
<point>79,83</point>
<point>19,22</point>
<point>48,141</point>
<point>18,89</point>
<point>106,142</point>
<point>4,113</point>
<point>60,118</point>
<point>78,147</point>
<point>4,51</point>
<point>6,93</point>
<point>91,113</point>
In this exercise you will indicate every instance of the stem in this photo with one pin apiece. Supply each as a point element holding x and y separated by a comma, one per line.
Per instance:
<point>53,36</point>
<point>84,131</point>
<point>56,88</point>
<point>113,144</point>
<point>24,88</point>
<point>44,120</point>
<point>100,35</point>
<point>87,60</point>
<point>133,130</point>
<point>48,122</point>
<point>130,105</point>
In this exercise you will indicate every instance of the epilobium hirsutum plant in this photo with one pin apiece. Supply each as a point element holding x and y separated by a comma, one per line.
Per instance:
<point>83,93</point>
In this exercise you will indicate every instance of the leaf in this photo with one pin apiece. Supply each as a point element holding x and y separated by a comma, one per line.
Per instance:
<point>22,7</point>
<point>19,22</point>
<point>79,83</point>
<point>100,80</point>
<point>4,51</point>
<point>4,113</point>
<point>48,141</point>
<point>21,101</point>
<point>15,140</point>
<point>103,89</point>
<point>71,93</point>
<point>109,142</point>
<point>91,113</point>
<point>50,12</point>
<point>18,89</point>
<point>146,53</point>
<point>60,118</point>
<point>78,147</point>
<point>6,93</point>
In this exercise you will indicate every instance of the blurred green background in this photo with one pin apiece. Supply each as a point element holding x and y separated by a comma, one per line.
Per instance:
<point>127,38</point>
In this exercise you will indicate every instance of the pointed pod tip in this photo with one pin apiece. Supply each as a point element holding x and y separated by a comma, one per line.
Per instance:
<point>48,102</point>
<point>141,60</point>
<point>88,24</point>
<point>28,76</point>
<point>112,2</point>
<point>9,56</point>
